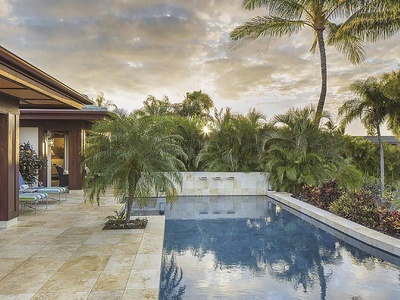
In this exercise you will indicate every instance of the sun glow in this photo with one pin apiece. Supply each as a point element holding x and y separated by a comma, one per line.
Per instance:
<point>206,130</point>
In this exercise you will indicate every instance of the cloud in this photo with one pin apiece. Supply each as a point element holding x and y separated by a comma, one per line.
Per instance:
<point>129,49</point>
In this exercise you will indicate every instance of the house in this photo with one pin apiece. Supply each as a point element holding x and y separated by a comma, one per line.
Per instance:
<point>59,135</point>
<point>26,95</point>
<point>390,140</point>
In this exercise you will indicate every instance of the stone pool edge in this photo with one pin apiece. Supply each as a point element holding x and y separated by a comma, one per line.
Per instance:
<point>357,231</point>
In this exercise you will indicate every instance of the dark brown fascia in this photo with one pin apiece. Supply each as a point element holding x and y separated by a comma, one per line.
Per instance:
<point>21,66</point>
<point>63,114</point>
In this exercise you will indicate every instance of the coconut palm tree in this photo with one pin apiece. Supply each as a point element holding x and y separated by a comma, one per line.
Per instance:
<point>135,157</point>
<point>373,107</point>
<point>363,19</point>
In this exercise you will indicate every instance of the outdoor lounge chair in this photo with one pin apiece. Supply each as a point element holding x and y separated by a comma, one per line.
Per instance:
<point>54,190</point>
<point>29,200</point>
<point>24,188</point>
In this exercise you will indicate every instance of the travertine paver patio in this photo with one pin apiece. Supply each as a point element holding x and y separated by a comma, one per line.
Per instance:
<point>63,253</point>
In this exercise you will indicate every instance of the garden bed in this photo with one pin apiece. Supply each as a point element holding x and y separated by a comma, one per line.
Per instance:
<point>132,224</point>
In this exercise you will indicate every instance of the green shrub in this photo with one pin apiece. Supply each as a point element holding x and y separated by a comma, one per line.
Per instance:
<point>389,221</point>
<point>359,207</point>
<point>30,163</point>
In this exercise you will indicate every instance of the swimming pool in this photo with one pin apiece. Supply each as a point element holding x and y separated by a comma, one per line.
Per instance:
<point>245,248</point>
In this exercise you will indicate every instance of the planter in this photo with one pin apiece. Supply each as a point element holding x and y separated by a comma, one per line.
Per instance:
<point>132,224</point>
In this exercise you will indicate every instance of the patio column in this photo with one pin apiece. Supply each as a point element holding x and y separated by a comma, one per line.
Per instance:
<point>75,158</point>
<point>9,161</point>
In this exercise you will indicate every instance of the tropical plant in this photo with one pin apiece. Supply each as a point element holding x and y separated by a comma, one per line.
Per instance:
<point>234,143</point>
<point>389,221</point>
<point>391,82</point>
<point>118,217</point>
<point>322,196</point>
<point>363,19</point>
<point>118,220</point>
<point>192,140</point>
<point>364,153</point>
<point>155,107</point>
<point>373,106</point>
<point>296,152</point>
<point>196,105</point>
<point>30,162</point>
<point>357,206</point>
<point>136,157</point>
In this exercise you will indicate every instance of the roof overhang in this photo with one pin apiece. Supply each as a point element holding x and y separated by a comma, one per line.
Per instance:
<point>64,114</point>
<point>33,87</point>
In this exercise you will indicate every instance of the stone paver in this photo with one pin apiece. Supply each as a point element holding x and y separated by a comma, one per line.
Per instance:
<point>63,253</point>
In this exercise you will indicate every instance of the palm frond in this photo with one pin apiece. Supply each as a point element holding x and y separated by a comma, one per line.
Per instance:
<point>349,45</point>
<point>265,26</point>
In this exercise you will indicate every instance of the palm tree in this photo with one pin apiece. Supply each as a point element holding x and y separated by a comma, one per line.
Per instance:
<point>154,107</point>
<point>369,19</point>
<point>234,142</point>
<point>217,154</point>
<point>192,138</point>
<point>373,106</point>
<point>196,104</point>
<point>296,152</point>
<point>135,157</point>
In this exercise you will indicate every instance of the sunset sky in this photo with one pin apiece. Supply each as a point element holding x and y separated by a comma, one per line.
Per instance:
<point>131,49</point>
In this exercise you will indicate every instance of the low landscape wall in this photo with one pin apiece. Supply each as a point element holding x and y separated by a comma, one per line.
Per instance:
<point>224,183</point>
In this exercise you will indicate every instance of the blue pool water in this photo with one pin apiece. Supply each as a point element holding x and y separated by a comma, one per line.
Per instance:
<point>213,251</point>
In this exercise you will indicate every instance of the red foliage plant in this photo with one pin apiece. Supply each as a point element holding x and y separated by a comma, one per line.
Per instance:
<point>389,221</point>
<point>322,196</point>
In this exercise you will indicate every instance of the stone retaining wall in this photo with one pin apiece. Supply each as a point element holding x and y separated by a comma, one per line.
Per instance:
<point>224,183</point>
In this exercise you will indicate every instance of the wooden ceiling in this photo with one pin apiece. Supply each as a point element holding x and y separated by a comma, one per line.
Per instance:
<point>33,87</point>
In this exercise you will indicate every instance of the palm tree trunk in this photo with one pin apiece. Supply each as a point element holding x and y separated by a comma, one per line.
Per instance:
<point>324,76</point>
<point>381,160</point>
<point>129,201</point>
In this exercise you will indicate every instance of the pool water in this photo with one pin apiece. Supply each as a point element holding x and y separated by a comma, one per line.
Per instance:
<point>272,254</point>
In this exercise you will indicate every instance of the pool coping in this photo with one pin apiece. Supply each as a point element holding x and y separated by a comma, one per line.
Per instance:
<point>366,235</point>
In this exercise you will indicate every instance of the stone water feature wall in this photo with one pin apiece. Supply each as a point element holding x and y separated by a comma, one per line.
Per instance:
<point>224,183</point>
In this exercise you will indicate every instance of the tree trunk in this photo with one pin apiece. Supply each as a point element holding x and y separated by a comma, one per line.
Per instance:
<point>129,201</point>
<point>381,160</point>
<point>128,208</point>
<point>324,76</point>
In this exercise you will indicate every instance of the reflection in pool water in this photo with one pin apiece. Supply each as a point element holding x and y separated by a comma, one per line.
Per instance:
<point>277,256</point>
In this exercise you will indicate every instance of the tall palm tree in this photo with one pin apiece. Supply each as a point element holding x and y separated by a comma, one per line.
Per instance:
<point>135,157</point>
<point>363,19</point>
<point>373,107</point>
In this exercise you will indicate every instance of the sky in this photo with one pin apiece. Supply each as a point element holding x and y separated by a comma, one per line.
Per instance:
<point>129,49</point>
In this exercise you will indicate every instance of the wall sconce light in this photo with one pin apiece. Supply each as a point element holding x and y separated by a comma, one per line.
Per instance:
<point>49,138</point>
